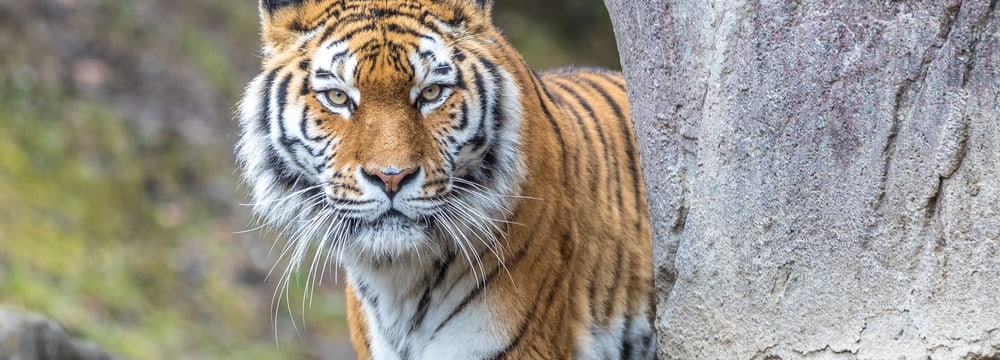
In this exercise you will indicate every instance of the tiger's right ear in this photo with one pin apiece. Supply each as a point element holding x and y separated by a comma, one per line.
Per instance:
<point>282,21</point>
<point>272,5</point>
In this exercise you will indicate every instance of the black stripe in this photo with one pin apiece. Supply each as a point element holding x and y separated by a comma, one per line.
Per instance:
<point>460,78</point>
<point>517,257</point>
<point>305,89</point>
<point>626,347</point>
<point>264,122</point>
<point>592,292</point>
<point>350,34</point>
<point>366,295</point>
<point>437,182</point>
<point>464,123</point>
<point>489,165</point>
<point>282,97</point>
<point>498,119</point>
<point>353,13</point>
<point>479,139</point>
<point>459,56</point>
<point>604,94</point>
<point>273,5</point>
<point>427,55</point>
<point>530,316</point>
<point>616,80</point>
<point>442,70</point>
<point>397,29</point>
<point>612,160</point>
<point>425,299</point>
<point>591,151</point>
<point>330,12</point>
<point>303,126</point>
<point>630,151</point>
<point>279,168</point>
<point>324,73</point>
<point>615,280</point>
<point>555,125</point>
<point>477,290</point>
<point>285,140</point>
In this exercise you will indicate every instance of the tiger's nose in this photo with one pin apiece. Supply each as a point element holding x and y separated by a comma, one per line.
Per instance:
<point>390,179</point>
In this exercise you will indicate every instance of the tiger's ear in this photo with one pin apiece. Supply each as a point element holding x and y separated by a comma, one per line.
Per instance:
<point>282,21</point>
<point>272,5</point>
<point>485,5</point>
<point>475,14</point>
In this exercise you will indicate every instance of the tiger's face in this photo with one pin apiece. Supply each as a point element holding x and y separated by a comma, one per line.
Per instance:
<point>380,129</point>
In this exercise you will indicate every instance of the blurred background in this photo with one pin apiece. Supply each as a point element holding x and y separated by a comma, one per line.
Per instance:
<point>119,199</point>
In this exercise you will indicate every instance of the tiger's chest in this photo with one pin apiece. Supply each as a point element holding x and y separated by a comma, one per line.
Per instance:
<point>434,315</point>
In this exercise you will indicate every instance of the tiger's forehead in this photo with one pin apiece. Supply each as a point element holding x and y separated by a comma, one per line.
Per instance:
<point>399,17</point>
<point>386,50</point>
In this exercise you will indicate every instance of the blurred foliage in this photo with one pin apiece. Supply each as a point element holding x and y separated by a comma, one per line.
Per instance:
<point>120,214</point>
<point>559,33</point>
<point>88,244</point>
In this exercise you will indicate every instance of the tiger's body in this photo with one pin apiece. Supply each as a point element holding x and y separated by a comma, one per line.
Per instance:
<point>481,211</point>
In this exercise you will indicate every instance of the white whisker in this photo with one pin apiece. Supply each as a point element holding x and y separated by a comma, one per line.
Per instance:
<point>493,244</point>
<point>448,225</point>
<point>286,197</point>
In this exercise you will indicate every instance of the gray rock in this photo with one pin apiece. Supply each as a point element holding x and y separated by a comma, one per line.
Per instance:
<point>27,336</point>
<point>824,177</point>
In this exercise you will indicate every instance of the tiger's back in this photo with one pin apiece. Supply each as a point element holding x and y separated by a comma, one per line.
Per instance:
<point>482,211</point>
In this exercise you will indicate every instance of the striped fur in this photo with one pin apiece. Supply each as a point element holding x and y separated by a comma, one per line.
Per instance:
<point>481,210</point>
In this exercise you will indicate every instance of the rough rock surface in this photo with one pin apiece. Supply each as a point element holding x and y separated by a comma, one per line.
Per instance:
<point>824,177</point>
<point>26,336</point>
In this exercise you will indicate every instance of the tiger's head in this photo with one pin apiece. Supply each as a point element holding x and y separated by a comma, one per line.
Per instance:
<point>381,129</point>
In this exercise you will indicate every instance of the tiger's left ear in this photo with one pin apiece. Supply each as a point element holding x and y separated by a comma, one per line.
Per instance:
<point>485,5</point>
<point>282,21</point>
<point>475,13</point>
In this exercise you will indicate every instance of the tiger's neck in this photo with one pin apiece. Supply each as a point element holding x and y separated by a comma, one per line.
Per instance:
<point>421,309</point>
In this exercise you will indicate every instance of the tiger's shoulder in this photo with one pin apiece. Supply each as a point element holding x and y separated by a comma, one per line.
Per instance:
<point>593,110</point>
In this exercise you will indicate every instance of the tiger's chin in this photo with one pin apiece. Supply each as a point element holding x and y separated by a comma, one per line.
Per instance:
<point>391,238</point>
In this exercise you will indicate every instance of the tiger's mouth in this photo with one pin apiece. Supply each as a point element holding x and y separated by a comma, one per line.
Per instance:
<point>394,220</point>
<point>389,236</point>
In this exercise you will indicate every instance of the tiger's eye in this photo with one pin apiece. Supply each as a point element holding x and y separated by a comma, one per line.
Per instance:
<point>430,93</point>
<point>337,97</point>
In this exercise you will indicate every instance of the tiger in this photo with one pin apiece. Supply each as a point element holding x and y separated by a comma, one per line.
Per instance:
<point>478,209</point>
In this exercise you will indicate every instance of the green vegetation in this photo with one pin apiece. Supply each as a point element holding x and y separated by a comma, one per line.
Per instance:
<point>85,241</point>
